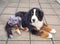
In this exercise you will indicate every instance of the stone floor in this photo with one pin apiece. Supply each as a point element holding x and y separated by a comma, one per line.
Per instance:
<point>51,11</point>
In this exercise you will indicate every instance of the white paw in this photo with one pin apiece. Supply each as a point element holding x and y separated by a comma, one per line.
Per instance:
<point>53,31</point>
<point>18,31</point>
<point>27,29</point>
<point>11,36</point>
<point>50,36</point>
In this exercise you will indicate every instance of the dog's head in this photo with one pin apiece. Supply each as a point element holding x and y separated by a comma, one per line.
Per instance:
<point>35,15</point>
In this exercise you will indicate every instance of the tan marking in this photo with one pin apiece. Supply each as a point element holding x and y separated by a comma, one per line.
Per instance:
<point>46,28</point>
<point>43,34</point>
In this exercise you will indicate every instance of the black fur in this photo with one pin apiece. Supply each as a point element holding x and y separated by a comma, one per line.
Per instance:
<point>8,29</point>
<point>26,20</point>
<point>26,17</point>
<point>39,14</point>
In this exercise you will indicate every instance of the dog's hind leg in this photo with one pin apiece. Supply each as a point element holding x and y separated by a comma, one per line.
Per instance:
<point>44,34</point>
<point>48,29</point>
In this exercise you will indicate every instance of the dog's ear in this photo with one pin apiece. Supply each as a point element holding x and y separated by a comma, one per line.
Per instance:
<point>41,14</point>
<point>28,16</point>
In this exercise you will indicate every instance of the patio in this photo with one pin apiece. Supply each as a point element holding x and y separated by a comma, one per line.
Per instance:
<point>51,11</point>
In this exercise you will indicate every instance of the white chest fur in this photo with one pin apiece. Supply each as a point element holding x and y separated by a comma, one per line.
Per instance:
<point>38,24</point>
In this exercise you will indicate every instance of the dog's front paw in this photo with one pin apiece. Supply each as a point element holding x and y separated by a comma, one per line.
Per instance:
<point>50,35</point>
<point>27,29</point>
<point>18,31</point>
<point>53,31</point>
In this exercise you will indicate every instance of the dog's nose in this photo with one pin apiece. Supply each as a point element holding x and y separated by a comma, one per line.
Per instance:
<point>33,20</point>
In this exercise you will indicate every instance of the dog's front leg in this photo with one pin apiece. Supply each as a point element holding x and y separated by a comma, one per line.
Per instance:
<point>17,29</point>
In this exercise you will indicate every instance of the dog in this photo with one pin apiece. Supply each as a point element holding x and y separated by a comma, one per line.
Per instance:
<point>13,22</point>
<point>33,20</point>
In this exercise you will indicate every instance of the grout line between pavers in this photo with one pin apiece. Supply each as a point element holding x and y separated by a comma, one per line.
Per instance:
<point>1,14</point>
<point>4,9</point>
<point>16,10</point>
<point>29,33</point>
<point>13,2</point>
<point>56,1</point>
<point>41,8</point>
<point>55,12</point>
<point>6,41</point>
<point>52,40</point>
<point>17,6</point>
<point>47,23</point>
<point>11,7</point>
<point>54,24</point>
<point>57,17</point>
<point>7,14</point>
<point>29,40</point>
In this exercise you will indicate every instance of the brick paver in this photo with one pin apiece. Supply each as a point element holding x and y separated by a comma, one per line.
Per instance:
<point>51,11</point>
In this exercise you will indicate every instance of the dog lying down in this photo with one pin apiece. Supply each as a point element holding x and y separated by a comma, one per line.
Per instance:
<point>33,20</point>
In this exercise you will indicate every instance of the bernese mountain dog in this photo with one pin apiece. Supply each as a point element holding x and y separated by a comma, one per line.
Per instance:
<point>33,20</point>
